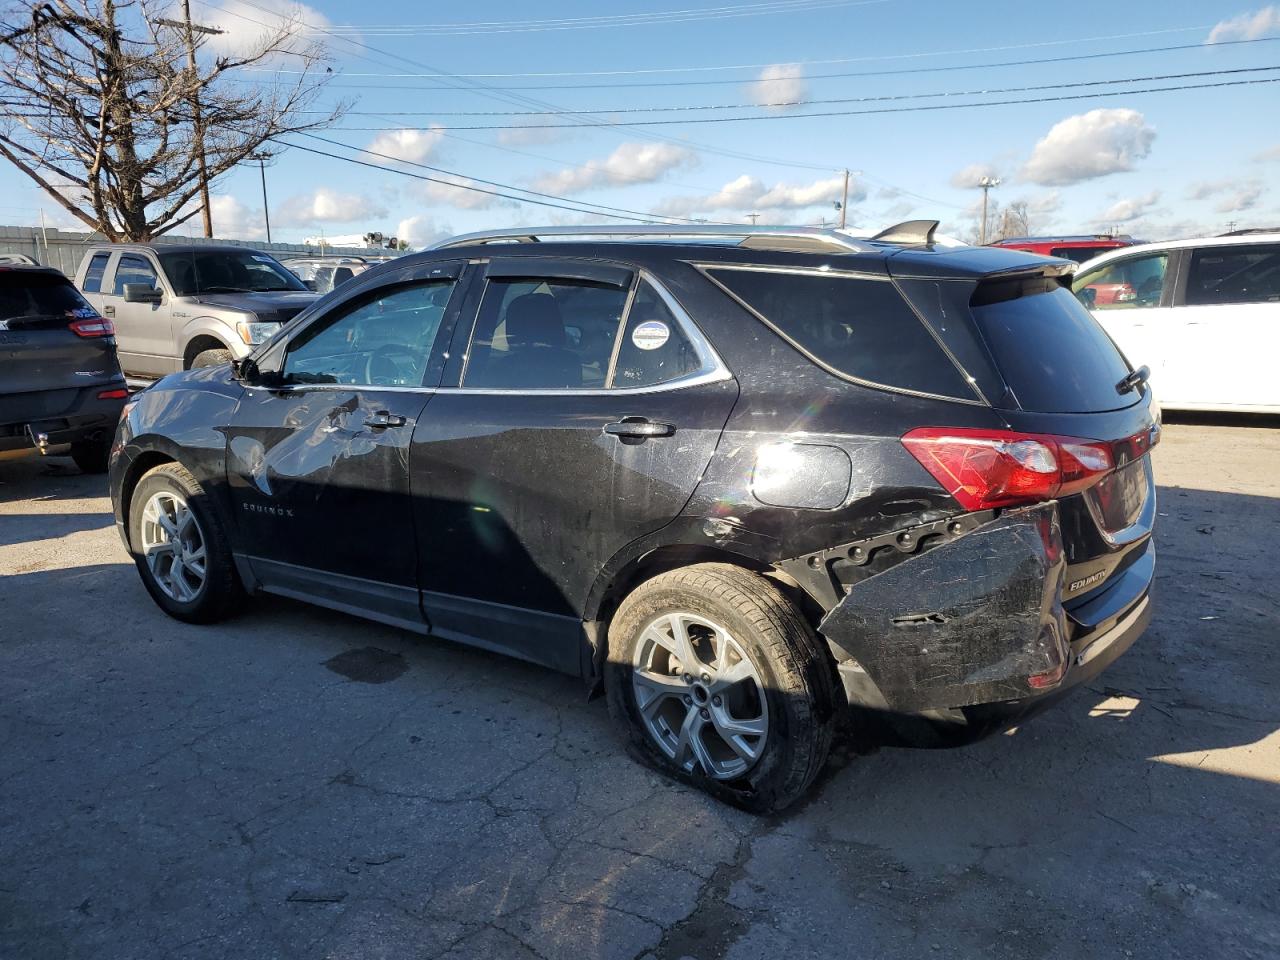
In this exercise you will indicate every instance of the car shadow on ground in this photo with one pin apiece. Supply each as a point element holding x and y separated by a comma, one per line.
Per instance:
<point>46,479</point>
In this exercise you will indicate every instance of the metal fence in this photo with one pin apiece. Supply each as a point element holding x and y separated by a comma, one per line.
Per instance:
<point>64,250</point>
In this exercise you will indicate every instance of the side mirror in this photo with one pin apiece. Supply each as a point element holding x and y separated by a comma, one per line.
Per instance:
<point>141,293</point>
<point>245,370</point>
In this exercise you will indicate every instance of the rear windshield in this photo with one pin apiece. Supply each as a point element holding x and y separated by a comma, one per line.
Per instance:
<point>28,296</point>
<point>859,327</point>
<point>1078,254</point>
<point>1050,350</point>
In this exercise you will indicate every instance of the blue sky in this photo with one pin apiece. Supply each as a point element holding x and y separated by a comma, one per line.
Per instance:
<point>1155,164</point>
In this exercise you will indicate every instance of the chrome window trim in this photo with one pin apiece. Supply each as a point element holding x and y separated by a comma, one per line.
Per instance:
<point>693,380</point>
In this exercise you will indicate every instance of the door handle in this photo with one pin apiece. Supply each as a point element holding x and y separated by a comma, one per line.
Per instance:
<point>382,419</point>
<point>108,311</point>
<point>639,428</point>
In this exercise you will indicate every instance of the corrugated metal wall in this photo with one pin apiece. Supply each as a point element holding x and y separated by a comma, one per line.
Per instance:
<point>61,249</point>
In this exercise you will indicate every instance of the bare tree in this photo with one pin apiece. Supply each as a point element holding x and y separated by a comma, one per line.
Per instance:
<point>96,106</point>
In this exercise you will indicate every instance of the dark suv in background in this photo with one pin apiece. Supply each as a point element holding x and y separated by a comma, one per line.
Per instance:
<point>61,389</point>
<point>741,480</point>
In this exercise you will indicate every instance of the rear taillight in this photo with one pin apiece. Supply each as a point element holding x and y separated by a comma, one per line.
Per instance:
<point>121,394</point>
<point>92,327</point>
<point>997,468</point>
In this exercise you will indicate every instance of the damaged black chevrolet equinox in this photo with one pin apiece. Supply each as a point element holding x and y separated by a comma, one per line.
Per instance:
<point>742,482</point>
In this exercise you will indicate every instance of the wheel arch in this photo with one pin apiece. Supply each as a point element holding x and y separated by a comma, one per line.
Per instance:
<point>199,343</point>
<point>139,467</point>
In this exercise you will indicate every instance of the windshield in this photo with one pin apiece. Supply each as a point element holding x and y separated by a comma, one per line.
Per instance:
<point>25,295</point>
<point>226,271</point>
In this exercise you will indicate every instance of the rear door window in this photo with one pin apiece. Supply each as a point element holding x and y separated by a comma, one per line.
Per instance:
<point>655,348</point>
<point>1125,284</point>
<point>1248,274</point>
<point>856,327</point>
<point>1051,351</point>
<point>93,276</point>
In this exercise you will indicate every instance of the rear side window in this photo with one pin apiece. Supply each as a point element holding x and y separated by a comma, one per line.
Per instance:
<point>93,276</point>
<point>34,296</point>
<point>1234,275</point>
<point>1049,348</point>
<point>654,347</point>
<point>857,327</point>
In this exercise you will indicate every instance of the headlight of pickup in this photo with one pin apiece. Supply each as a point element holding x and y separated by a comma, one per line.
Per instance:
<point>254,333</point>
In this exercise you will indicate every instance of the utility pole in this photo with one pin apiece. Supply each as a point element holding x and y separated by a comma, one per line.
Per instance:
<point>986,183</point>
<point>844,203</point>
<point>262,159</point>
<point>189,31</point>
<point>754,217</point>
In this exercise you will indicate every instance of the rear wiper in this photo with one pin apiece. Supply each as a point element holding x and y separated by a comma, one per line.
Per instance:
<point>1134,380</point>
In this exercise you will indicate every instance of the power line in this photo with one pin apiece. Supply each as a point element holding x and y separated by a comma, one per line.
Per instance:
<point>988,91</point>
<point>807,77</point>
<point>642,217</point>
<point>492,183</point>
<point>663,18</point>
<point>839,113</point>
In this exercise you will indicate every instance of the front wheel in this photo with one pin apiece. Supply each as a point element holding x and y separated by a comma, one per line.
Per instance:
<point>211,358</point>
<point>719,680</point>
<point>180,548</point>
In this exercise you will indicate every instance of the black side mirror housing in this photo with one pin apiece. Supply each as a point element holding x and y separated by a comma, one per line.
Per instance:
<point>141,293</point>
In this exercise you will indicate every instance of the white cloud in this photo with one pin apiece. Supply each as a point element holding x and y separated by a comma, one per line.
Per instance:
<point>1247,26</point>
<point>1090,145</point>
<point>1272,153</point>
<point>631,163</point>
<point>454,193</point>
<point>1045,204</point>
<point>232,220</point>
<point>412,145</point>
<point>747,193</point>
<point>1233,195</point>
<point>780,83</point>
<point>245,25</point>
<point>1129,208</point>
<point>422,231</point>
<point>971,177</point>
<point>327,206</point>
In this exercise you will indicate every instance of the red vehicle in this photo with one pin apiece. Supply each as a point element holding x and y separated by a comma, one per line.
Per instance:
<point>1078,249</point>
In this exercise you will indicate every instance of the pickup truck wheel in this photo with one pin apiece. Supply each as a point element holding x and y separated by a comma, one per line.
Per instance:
<point>180,548</point>
<point>91,456</point>
<point>718,680</point>
<point>211,358</point>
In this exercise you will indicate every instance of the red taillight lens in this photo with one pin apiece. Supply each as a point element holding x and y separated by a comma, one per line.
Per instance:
<point>121,394</point>
<point>92,327</point>
<point>997,468</point>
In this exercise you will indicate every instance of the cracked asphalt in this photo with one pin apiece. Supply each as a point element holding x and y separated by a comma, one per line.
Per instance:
<point>296,783</point>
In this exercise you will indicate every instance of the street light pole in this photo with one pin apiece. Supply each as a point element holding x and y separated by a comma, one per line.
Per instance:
<point>986,183</point>
<point>844,204</point>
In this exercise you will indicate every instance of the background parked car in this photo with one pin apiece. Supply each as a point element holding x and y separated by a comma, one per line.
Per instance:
<point>17,259</point>
<point>60,383</point>
<point>322,274</point>
<point>1203,314</point>
<point>1079,248</point>
<point>177,306</point>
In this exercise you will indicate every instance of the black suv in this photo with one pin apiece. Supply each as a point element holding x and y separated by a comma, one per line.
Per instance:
<point>740,482</point>
<point>60,382</point>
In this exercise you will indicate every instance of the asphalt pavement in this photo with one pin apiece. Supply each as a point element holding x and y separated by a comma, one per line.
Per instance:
<point>297,783</point>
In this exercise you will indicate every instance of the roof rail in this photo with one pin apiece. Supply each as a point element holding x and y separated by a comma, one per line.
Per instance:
<point>786,238</point>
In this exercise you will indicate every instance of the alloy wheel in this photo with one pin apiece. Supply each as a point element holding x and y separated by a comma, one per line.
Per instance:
<point>700,696</point>
<point>174,546</point>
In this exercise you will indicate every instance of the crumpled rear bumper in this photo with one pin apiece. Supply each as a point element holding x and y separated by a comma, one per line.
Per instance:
<point>973,622</point>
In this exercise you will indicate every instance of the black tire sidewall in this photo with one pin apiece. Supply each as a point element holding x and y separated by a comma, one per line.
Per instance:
<point>212,600</point>
<point>798,721</point>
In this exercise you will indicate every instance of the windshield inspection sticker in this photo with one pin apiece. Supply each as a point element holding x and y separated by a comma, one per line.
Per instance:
<point>650,335</point>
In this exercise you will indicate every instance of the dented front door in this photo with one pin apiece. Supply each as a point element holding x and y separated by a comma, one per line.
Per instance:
<point>319,476</point>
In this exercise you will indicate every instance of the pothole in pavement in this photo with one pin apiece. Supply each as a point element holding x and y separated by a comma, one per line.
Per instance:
<point>368,665</point>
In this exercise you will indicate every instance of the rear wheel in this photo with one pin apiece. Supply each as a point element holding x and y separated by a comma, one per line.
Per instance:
<point>719,680</point>
<point>180,548</point>
<point>211,358</point>
<point>91,456</point>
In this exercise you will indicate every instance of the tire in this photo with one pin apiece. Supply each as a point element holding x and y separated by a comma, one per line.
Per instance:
<point>211,358</point>
<point>91,456</point>
<point>793,687</point>
<point>207,599</point>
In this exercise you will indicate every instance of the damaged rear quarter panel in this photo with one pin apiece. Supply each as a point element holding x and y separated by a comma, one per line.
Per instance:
<point>964,623</point>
